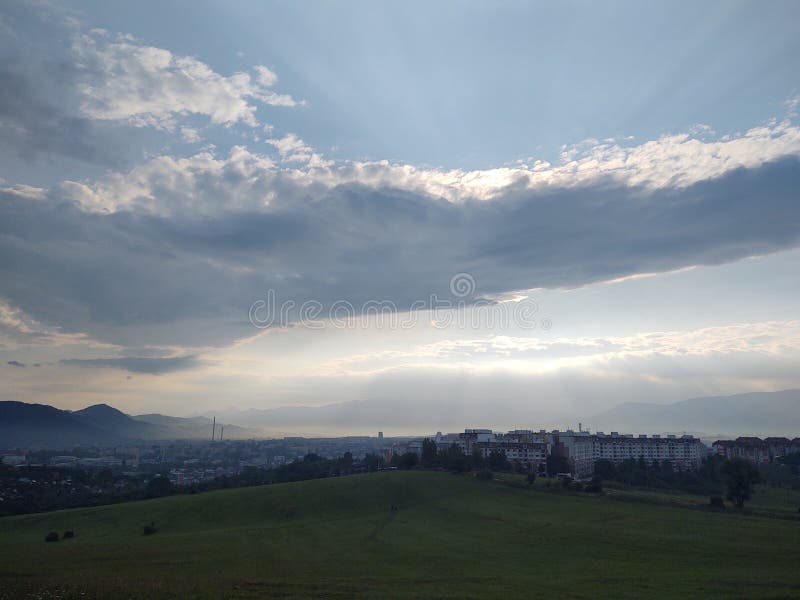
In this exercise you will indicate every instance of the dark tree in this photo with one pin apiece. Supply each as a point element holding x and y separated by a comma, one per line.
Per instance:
<point>740,475</point>
<point>346,461</point>
<point>453,459</point>
<point>428,452</point>
<point>556,464</point>
<point>605,469</point>
<point>498,462</point>
<point>407,460</point>
<point>477,460</point>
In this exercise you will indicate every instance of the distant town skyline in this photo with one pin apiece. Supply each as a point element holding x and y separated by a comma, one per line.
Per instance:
<point>611,215</point>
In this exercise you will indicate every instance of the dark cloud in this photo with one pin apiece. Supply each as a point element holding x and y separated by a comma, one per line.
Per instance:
<point>15,363</point>
<point>40,116</point>
<point>151,366</point>
<point>32,126</point>
<point>148,280</point>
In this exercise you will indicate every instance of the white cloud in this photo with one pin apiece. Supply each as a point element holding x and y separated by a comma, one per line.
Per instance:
<point>542,354</point>
<point>26,191</point>
<point>669,162</point>
<point>148,86</point>
<point>190,135</point>
<point>291,148</point>
<point>265,76</point>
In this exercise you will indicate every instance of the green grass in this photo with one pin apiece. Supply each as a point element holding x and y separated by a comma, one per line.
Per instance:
<point>453,537</point>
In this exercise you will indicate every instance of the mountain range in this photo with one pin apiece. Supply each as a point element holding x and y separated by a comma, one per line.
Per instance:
<point>761,414</point>
<point>40,425</point>
<point>756,413</point>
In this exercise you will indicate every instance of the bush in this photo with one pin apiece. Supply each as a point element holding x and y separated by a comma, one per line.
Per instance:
<point>716,502</point>
<point>68,534</point>
<point>150,529</point>
<point>566,483</point>
<point>531,478</point>
<point>578,487</point>
<point>485,474</point>
<point>51,537</point>
<point>595,487</point>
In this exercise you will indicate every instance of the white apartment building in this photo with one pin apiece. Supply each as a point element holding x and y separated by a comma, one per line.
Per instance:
<point>582,449</point>
<point>522,445</point>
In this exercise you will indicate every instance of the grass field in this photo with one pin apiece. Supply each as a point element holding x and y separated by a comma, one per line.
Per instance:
<point>452,537</point>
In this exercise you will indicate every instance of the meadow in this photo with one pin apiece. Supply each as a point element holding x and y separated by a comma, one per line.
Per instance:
<point>452,536</point>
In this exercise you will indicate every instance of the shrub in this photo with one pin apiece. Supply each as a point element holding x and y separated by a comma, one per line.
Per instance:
<point>485,474</point>
<point>150,529</point>
<point>595,487</point>
<point>566,483</point>
<point>716,502</point>
<point>68,534</point>
<point>578,487</point>
<point>51,537</point>
<point>531,478</point>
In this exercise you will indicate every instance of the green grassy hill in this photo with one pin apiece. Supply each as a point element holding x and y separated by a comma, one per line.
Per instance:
<point>452,537</point>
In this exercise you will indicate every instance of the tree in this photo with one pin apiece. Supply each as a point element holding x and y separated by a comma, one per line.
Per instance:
<point>498,461</point>
<point>159,486</point>
<point>428,452</point>
<point>556,463</point>
<point>407,461</point>
<point>478,462</point>
<point>531,478</point>
<point>453,459</point>
<point>605,469</point>
<point>739,475</point>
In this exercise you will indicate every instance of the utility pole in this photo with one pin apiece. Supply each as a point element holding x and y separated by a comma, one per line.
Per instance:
<point>213,428</point>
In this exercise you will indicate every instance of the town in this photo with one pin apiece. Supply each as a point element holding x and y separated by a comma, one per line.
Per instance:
<point>33,479</point>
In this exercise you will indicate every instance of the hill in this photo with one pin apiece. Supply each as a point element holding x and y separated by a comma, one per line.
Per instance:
<point>452,537</point>
<point>40,425</point>
<point>760,413</point>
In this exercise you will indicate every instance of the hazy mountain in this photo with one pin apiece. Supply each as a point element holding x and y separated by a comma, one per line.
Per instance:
<point>108,418</point>
<point>768,413</point>
<point>40,425</point>
<point>757,413</point>
<point>412,415</point>
<point>194,427</point>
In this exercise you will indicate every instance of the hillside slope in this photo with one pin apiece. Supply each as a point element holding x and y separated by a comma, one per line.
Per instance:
<point>452,537</point>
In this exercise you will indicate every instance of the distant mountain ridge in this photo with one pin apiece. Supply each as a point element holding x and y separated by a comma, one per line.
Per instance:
<point>760,413</point>
<point>754,413</point>
<point>40,425</point>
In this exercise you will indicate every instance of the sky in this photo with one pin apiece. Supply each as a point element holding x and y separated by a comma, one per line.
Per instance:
<point>523,213</point>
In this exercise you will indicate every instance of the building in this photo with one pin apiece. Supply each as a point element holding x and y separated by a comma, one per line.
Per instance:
<point>523,446</point>
<point>582,449</point>
<point>755,449</point>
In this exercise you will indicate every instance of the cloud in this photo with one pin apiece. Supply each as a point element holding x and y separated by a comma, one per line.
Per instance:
<point>779,340</point>
<point>122,79</point>
<point>15,363</point>
<point>32,124</point>
<point>72,92</point>
<point>186,245</point>
<point>147,365</point>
